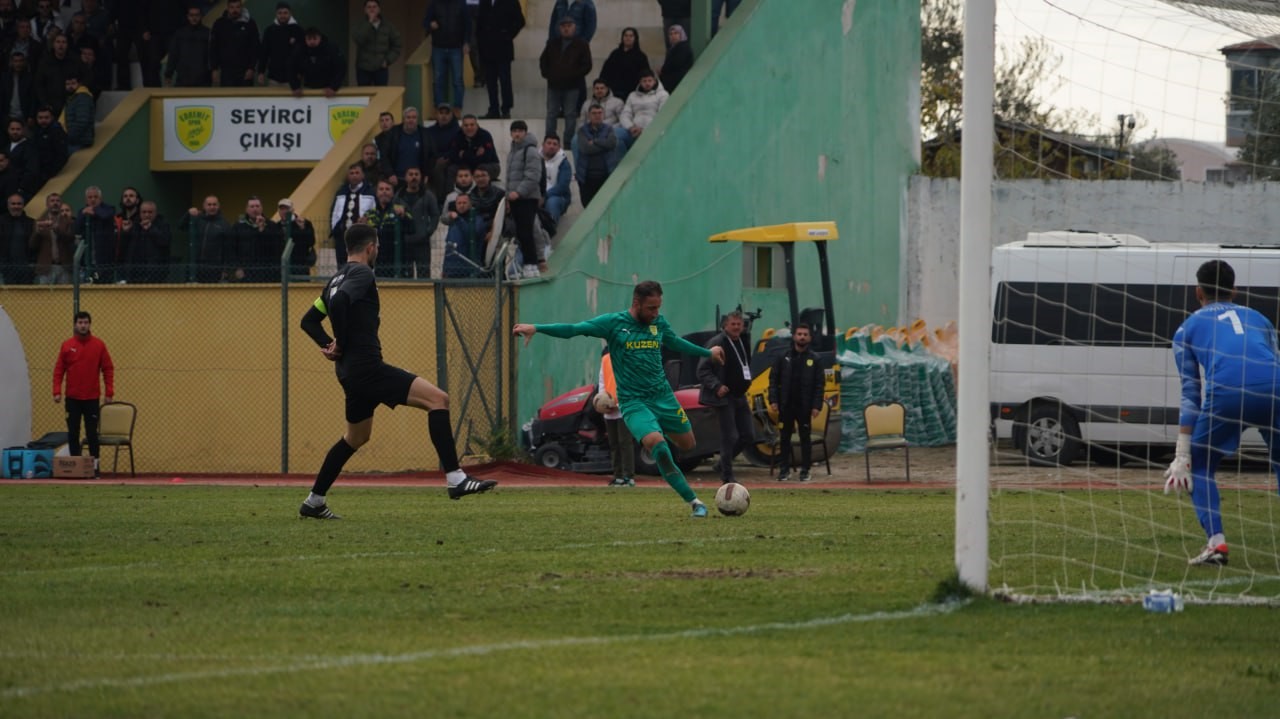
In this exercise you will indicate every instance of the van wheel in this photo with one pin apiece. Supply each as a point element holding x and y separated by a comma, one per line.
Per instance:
<point>1051,436</point>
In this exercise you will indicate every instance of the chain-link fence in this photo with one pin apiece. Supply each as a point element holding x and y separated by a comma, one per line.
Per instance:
<point>226,382</point>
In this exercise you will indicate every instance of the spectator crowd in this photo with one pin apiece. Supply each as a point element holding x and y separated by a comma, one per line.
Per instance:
<point>420,184</point>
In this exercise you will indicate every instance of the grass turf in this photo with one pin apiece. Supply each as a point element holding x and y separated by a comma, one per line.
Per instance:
<point>216,601</point>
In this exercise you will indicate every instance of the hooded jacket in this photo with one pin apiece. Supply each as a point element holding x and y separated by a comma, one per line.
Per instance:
<point>524,168</point>
<point>559,176</point>
<point>279,43</point>
<point>234,44</point>
<point>612,108</point>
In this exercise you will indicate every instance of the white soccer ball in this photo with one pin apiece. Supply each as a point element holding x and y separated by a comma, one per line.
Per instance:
<point>733,499</point>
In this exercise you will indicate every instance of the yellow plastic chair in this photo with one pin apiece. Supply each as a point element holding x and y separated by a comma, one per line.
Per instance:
<point>115,429</point>
<point>886,429</point>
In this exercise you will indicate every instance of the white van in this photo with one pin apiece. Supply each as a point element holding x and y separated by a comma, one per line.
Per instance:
<point>1082,324</point>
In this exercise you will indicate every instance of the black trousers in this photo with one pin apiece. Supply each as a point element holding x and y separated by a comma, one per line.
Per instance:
<point>736,432</point>
<point>588,188</point>
<point>497,77</point>
<point>526,213</point>
<point>86,409</point>
<point>796,420</point>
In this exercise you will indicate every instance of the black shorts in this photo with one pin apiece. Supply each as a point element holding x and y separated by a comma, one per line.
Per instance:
<point>384,385</point>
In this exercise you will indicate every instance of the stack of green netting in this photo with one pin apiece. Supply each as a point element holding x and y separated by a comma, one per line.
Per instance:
<point>882,371</point>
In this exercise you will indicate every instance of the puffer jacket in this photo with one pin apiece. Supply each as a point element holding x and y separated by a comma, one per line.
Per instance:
<point>641,107</point>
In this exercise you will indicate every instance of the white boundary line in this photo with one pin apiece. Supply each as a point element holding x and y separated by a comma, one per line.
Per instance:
<point>356,660</point>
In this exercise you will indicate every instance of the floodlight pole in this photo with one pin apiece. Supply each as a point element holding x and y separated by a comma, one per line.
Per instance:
<point>974,414</point>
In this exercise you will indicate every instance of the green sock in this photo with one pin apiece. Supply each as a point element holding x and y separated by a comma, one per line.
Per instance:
<point>670,472</point>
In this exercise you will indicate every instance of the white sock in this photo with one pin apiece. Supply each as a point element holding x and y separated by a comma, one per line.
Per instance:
<point>315,500</point>
<point>695,502</point>
<point>1217,539</point>
<point>455,477</point>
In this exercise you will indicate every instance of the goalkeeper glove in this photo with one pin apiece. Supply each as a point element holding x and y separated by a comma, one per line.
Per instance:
<point>1177,477</point>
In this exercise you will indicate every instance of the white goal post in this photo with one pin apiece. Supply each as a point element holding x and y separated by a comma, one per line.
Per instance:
<point>1060,489</point>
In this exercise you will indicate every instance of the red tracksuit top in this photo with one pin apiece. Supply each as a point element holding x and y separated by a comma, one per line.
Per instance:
<point>80,359</point>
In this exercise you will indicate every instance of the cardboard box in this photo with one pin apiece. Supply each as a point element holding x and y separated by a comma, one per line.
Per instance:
<point>73,467</point>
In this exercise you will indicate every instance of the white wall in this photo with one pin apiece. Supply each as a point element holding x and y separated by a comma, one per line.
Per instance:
<point>15,387</point>
<point>1157,211</point>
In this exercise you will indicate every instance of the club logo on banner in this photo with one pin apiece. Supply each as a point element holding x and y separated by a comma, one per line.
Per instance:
<point>256,129</point>
<point>342,117</point>
<point>193,125</point>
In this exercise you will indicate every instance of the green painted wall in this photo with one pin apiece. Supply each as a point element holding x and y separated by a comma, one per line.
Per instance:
<point>122,162</point>
<point>804,111</point>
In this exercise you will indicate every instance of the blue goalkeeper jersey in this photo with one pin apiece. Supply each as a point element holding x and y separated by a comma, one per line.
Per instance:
<point>1234,347</point>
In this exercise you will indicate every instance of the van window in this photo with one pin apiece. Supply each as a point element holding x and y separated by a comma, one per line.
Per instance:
<point>1105,315</point>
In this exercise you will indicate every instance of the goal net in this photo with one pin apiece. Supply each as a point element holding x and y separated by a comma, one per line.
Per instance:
<point>1091,270</point>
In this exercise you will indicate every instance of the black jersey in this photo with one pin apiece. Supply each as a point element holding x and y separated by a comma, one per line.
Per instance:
<point>350,299</point>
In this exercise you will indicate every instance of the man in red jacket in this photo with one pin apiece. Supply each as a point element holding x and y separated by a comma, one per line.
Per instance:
<point>81,358</point>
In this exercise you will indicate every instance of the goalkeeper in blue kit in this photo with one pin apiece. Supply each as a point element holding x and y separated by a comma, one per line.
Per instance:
<point>1235,349</point>
<point>649,407</point>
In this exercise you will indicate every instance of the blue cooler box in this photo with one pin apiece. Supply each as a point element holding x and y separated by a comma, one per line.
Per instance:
<point>23,463</point>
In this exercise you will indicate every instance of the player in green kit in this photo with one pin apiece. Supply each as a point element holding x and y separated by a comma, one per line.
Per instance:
<point>649,407</point>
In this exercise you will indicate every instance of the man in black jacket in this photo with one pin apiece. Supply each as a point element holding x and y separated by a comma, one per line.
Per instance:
<point>16,229</point>
<point>497,24</point>
<point>724,386</point>
<point>233,47</point>
<point>24,157</point>
<point>50,143</point>
<point>190,61</point>
<point>449,25</point>
<point>316,63</point>
<point>17,89</point>
<point>280,40</point>
<point>795,393</point>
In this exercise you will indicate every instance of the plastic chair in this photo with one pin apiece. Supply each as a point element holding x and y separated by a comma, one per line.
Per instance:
<point>886,424</point>
<point>115,429</point>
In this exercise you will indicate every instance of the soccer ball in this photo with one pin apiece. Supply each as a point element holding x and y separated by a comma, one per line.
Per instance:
<point>733,499</point>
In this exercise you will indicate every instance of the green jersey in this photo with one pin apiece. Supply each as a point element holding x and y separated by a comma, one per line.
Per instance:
<point>636,349</point>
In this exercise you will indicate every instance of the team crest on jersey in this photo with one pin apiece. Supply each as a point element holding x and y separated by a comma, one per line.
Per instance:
<point>335,283</point>
<point>809,362</point>
<point>193,124</point>
<point>653,329</point>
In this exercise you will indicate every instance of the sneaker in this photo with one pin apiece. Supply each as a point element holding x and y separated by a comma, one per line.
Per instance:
<point>471,485</point>
<point>1211,555</point>
<point>529,272</point>
<point>630,482</point>
<point>784,475</point>
<point>619,482</point>
<point>699,511</point>
<point>804,475</point>
<point>321,512</point>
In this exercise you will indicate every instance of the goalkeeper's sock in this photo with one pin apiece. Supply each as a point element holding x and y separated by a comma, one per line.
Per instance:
<point>667,465</point>
<point>1217,540</point>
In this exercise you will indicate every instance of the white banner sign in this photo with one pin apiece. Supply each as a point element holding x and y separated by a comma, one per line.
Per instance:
<point>203,129</point>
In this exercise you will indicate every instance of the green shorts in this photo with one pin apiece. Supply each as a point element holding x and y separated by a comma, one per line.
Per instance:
<point>655,414</point>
